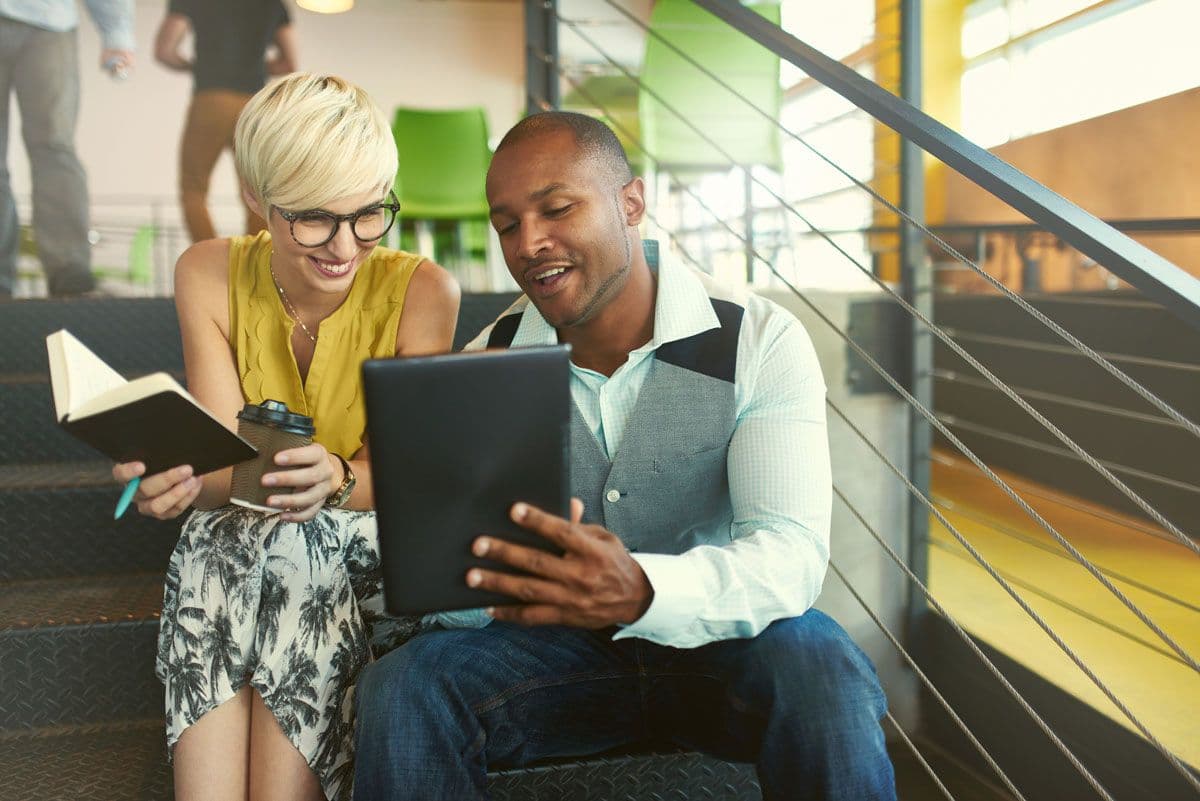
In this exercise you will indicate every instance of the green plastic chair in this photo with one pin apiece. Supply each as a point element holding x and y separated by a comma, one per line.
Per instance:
<point>443,164</point>
<point>613,99</point>
<point>139,269</point>
<point>740,62</point>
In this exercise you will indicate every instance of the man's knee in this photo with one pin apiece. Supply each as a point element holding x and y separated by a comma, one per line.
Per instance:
<point>811,662</point>
<point>415,680</point>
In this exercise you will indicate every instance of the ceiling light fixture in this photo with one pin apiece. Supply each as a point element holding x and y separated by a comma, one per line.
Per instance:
<point>326,6</point>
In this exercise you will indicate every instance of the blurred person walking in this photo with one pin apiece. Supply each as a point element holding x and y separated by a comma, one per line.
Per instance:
<point>39,62</point>
<point>236,44</point>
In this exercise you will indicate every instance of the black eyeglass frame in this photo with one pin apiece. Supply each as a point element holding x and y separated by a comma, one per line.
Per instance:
<point>338,219</point>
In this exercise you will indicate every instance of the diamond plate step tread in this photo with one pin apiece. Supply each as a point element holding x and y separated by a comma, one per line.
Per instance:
<point>57,521</point>
<point>128,333</point>
<point>80,601</point>
<point>67,674</point>
<point>127,762</point>
<point>31,432</point>
<point>79,650</point>
<point>107,762</point>
<point>56,475</point>
<point>676,776</point>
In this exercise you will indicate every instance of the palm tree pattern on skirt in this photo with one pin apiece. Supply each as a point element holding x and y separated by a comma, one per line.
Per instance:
<point>295,610</point>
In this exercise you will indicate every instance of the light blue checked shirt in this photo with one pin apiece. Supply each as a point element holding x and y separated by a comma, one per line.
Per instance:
<point>113,18</point>
<point>779,475</point>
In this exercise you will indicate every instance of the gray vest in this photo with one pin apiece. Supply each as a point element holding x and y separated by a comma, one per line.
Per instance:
<point>667,489</point>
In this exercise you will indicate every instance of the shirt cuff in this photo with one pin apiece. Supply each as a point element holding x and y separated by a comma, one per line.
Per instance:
<point>461,619</point>
<point>119,40</point>
<point>678,593</point>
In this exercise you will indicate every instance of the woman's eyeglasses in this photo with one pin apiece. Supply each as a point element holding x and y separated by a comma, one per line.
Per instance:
<point>311,229</point>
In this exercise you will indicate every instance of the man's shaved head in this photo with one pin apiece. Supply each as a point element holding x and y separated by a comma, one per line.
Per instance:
<point>594,139</point>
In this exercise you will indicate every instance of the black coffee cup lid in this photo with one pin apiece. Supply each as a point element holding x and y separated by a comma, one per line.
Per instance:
<point>275,414</point>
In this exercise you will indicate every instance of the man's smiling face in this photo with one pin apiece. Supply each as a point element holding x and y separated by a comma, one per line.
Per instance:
<point>563,224</point>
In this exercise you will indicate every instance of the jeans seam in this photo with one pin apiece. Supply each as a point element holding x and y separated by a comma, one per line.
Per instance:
<point>503,697</point>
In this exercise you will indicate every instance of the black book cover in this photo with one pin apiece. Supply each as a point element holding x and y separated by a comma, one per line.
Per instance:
<point>163,430</point>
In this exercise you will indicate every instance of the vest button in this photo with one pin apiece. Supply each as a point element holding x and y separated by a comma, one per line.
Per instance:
<point>613,496</point>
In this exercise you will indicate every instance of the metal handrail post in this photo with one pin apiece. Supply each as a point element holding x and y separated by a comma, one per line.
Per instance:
<point>917,288</point>
<point>541,55</point>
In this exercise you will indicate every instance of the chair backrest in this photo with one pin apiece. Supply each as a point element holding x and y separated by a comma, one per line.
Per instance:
<point>141,255</point>
<point>612,99</point>
<point>443,163</point>
<point>740,62</point>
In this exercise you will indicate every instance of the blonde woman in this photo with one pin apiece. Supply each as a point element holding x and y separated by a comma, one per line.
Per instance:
<point>268,618</point>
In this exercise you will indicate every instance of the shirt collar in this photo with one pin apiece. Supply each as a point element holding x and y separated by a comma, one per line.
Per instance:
<point>681,309</point>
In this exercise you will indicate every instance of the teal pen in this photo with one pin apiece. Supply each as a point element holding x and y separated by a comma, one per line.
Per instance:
<point>127,496</point>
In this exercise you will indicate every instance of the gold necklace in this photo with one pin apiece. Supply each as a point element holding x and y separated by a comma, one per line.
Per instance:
<point>291,309</point>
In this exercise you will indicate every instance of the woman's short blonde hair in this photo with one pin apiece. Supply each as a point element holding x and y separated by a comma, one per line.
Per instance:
<point>307,140</point>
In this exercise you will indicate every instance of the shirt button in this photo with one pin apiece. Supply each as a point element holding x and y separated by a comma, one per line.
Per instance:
<point>613,496</point>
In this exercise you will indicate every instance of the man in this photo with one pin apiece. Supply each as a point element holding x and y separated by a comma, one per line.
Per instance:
<point>680,608</point>
<point>39,61</point>
<point>231,39</point>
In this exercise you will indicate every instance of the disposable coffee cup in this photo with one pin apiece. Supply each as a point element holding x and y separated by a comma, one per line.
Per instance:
<point>270,428</point>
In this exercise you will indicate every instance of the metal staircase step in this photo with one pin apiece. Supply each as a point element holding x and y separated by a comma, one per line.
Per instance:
<point>127,762</point>
<point>79,650</point>
<point>98,762</point>
<point>142,334</point>
<point>131,334</point>
<point>57,521</point>
<point>31,433</point>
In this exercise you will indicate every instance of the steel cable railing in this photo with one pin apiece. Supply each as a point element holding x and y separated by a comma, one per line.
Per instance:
<point>916,669</point>
<point>916,752</point>
<point>951,376</point>
<point>949,341</point>
<point>967,452</point>
<point>1075,762</point>
<point>987,757</point>
<point>1061,603</point>
<point>1033,444</point>
<point>1079,451</point>
<point>949,506</point>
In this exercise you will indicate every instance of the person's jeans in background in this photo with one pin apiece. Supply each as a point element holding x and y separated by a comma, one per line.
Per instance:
<point>800,701</point>
<point>42,68</point>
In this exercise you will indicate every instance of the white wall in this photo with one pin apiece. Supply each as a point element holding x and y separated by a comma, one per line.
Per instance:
<point>433,53</point>
<point>876,494</point>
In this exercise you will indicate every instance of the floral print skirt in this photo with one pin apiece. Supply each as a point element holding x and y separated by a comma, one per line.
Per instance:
<point>293,610</point>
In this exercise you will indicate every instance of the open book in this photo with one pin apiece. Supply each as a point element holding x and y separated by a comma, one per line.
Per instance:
<point>150,419</point>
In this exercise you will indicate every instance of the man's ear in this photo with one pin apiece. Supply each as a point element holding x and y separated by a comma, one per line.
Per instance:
<point>633,198</point>
<point>252,202</point>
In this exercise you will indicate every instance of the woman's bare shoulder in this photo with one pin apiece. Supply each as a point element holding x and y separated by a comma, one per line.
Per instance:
<point>202,281</point>
<point>433,287</point>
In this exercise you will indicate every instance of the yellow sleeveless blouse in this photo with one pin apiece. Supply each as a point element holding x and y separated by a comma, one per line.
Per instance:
<point>363,327</point>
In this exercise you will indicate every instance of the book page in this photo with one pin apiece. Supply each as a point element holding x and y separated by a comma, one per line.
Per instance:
<point>128,392</point>
<point>76,374</point>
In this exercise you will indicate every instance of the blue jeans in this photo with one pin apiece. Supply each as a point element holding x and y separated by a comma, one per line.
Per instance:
<point>42,69</point>
<point>800,700</point>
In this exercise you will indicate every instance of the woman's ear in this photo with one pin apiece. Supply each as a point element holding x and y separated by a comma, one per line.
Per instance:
<point>252,202</point>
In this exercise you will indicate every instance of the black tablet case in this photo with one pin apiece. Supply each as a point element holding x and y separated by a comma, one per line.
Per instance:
<point>455,440</point>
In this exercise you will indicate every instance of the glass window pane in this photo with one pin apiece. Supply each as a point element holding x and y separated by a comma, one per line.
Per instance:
<point>836,35</point>
<point>1034,14</point>
<point>987,108</point>
<point>985,26</point>
<point>1119,61</point>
